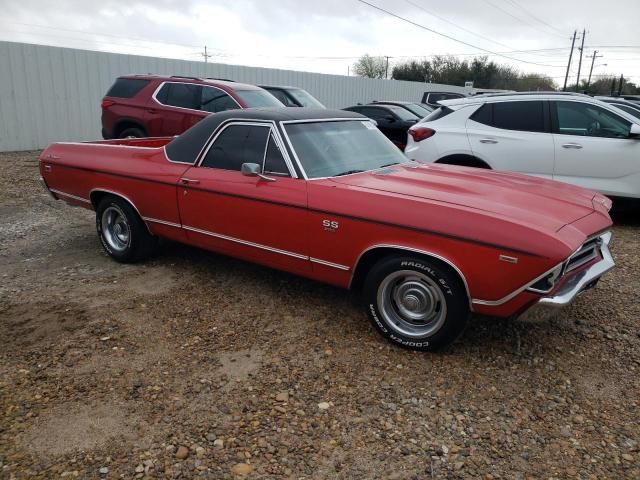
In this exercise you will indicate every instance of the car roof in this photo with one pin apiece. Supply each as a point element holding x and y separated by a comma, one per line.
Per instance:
<point>503,97</point>
<point>186,79</point>
<point>185,147</point>
<point>392,102</point>
<point>282,87</point>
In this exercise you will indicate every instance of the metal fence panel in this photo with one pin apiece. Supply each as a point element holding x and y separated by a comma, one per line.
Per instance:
<point>50,94</point>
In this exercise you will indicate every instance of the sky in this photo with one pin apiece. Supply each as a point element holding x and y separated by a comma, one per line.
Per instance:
<point>327,36</point>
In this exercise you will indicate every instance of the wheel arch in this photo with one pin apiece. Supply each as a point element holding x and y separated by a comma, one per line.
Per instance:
<point>465,160</point>
<point>97,194</point>
<point>369,257</point>
<point>124,123</point>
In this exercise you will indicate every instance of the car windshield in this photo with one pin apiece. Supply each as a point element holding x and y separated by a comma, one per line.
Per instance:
<point>419,110</point>
<point>333,148</point>
<point>258,98</point>
<point>304,98</point>
<point>403,113</point>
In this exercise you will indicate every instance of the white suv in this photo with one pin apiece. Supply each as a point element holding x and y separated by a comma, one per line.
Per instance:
<point>567,137</point>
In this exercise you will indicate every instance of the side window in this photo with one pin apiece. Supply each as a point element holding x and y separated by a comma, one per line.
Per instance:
<point>380,115</point>
<point>215,100</point>
<point>483,115</point>
<point>237,144</point>
<point>577,118</point>
<point>280,95</point>
<point>182,95</point>
<point>274,161</point>
<point>127,87</point>
<point>626,108</point>
<point>521,116</point>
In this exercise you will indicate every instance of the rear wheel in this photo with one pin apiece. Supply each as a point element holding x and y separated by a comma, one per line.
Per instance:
<point>416,303</point>
<point>123,234</point>
<point>132,132</point>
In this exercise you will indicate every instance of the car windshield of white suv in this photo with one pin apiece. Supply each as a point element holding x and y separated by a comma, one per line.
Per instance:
<point>334,148</point>
<point>304,98</point>
<point>258,98</point>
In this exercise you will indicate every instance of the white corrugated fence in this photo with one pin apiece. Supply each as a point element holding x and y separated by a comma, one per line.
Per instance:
<point>50,94</point>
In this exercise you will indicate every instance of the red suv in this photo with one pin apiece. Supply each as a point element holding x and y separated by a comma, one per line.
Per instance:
<point>156,106</point>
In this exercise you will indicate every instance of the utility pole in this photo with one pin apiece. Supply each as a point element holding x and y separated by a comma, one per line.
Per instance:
<point>386,68</point>
<point>593,60</point>
<point>584,33</point>
<point>621,84</point>
<point>573,42</point>
<point>206,55</point>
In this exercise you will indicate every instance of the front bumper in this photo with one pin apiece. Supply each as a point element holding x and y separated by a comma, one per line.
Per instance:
<point>548,306</point>
<point>583,280</point>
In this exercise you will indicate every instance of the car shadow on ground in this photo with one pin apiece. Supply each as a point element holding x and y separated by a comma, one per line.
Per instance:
<point>488,336</point>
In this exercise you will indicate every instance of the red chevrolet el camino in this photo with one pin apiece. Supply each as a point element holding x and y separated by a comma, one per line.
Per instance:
<point>325,195</point>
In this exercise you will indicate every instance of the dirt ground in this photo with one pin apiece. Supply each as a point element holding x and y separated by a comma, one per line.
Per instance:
<point>195,365</point>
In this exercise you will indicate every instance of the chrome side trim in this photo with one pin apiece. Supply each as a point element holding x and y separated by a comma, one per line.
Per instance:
<point>244,242</point>
<point>423,252</point>
<point>606,237</point>
<point>46,187</point>
<point>505,299</point>
<point>68,195</point>
<point>104,190</point>
<point>161,222</point>
<point>329,264</point>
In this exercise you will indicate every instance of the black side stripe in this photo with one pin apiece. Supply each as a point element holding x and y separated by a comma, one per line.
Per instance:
<point>325,212</point>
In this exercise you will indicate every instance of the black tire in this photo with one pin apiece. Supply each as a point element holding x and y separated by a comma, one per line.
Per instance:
<point>415,302</point>
<point>132,132</point>
<point>122,233</point>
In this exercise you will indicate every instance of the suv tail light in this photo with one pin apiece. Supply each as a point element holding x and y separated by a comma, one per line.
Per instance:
<point>107,103</point>
<point>421,133</point>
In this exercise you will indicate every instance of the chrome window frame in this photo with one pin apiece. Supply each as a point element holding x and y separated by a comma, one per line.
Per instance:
<point>240,107</point>
<point>252,123</point>
<point>313,120</point>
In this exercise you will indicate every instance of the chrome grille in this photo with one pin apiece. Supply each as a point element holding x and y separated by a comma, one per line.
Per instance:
<point>588,251</point>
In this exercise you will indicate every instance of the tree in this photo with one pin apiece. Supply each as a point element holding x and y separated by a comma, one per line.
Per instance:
<point>370,67</point>
<point>604,85</point>
<point>482,72</point>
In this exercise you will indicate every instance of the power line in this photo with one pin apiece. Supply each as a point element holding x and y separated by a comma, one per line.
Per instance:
<point>506,12</point>
<point>455,24</point>
<point>539,20</point>
<point>450,37</point>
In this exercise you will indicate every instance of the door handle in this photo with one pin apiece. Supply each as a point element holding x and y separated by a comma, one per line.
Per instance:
<point>189,181</point>
<point>490,141</point>
<point>576,146</point>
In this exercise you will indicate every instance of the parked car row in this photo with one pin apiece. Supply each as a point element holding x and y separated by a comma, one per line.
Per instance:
<point>568,137</point>
<point>155,106</point>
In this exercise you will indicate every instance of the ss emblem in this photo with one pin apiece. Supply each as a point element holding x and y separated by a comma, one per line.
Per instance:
<point>330,225</point>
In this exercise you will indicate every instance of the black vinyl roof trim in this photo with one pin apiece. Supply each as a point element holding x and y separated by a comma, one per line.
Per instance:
<point>186,147</point>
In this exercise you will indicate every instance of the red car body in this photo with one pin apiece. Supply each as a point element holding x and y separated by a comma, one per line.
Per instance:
<point>501,232</point>
<point>133,106</point>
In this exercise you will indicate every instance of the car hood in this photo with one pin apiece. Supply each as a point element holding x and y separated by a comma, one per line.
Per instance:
<point>524,199</point>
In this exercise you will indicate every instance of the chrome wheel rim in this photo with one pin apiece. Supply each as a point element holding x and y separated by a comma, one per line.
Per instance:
<point>115,228</point>
<point>412,303</point>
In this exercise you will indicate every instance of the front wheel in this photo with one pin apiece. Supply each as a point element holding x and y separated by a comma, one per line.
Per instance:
<point>416,303</point>
<point>122,232</point>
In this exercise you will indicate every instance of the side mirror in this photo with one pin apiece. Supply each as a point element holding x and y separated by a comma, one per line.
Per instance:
<point>254,170</point>
<point>390,118</point>
<point>635,131</point>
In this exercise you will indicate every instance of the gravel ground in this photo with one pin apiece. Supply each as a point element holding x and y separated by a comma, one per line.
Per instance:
<point>195,365</point>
